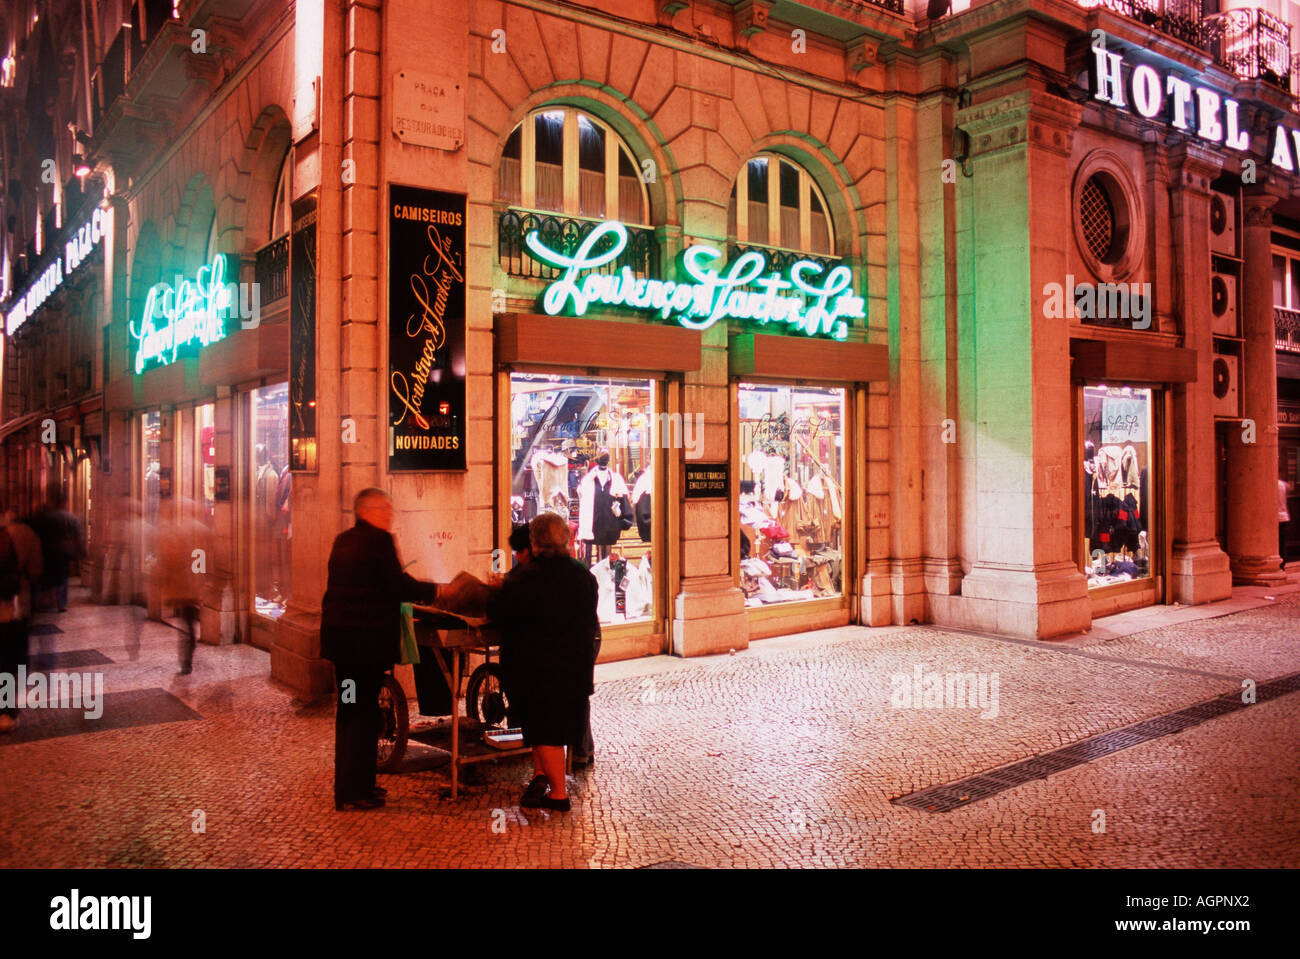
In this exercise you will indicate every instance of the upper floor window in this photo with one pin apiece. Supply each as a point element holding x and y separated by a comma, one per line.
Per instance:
<point>776,203</point>
<point>564,161</point>
<point>1286,279</point>
<point>281,218</point>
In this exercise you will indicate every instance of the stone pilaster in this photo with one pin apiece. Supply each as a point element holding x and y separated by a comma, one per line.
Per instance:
<point>1252,467</point>
<point>1199,571</point>
<point>1018,461</point>
<point>708,612</point>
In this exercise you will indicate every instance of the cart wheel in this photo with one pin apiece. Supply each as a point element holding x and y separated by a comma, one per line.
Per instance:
<point>395,721</point>
<point>485,700</point>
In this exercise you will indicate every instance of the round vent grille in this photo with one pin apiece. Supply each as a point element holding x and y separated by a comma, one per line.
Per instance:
<point>1097,217</point>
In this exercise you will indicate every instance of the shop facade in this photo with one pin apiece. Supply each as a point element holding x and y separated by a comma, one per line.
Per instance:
<point>798,323</point>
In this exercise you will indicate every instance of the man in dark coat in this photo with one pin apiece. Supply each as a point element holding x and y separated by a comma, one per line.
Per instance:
<point>361,623</point>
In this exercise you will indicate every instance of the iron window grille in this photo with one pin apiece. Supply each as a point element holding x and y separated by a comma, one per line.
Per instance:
<point>564,234</point>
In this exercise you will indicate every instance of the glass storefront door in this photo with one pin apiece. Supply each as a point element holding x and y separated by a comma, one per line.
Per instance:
<point>270,483</point>
<point>583,447</point>
<point>791,473</point>
<point>1118,474</point>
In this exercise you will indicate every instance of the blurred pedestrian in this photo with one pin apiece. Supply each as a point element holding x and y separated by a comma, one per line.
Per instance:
<point>20,570</point>
<point>1283,515</point>
<point>550,633</point>
<point>361,634</point>
<point>62,546</point>
<point>181,566</point>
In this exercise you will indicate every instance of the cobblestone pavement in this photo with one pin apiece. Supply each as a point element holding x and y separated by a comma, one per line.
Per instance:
<point>784,754</point>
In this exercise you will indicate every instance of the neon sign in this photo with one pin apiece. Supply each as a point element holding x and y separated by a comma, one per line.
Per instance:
<point>189,312</point>
<point>1189,108</point>
<point>75,252</point>
<point>711,295</point>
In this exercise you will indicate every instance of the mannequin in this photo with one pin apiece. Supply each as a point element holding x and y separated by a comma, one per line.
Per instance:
<point>642,493</point>
<point>598,508</point>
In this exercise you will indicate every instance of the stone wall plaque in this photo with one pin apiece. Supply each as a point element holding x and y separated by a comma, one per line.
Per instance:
<point>428,110</point>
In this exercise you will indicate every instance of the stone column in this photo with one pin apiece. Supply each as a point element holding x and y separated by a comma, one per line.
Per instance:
<point>1018,459</point>
<point>319,61</point>
<point>907,404</point>
<point>1252,466</point>
<point>1199,571</point>
<point>708,611</point>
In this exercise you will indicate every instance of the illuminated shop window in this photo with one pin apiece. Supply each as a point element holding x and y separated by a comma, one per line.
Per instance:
<point>561,160</point>
<point>791,493</point>
<point>271,484</point>
<point>582,447</point>
<point>205,430</point>
<point>1117,484</point>
<point>776,203</point>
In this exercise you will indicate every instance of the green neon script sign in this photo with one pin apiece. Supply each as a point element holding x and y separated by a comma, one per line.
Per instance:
<point>191,311</point>
<point>711,294</point>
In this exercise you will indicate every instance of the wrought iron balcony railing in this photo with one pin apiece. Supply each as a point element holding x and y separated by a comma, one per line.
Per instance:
<point>893,6</point>
<point>563,234</point>
<point>780,260</point>
<point>1252,43</point>
<point>1180,19</point>
<point>1286,324</point>
<point>271,270</point>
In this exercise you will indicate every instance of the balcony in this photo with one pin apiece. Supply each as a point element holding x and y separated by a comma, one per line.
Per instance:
<point>130,49</point>
<point>1251,43</point>
<point>1286,324</point>
<point>271,270</point>
<point>778,259</point>
<point>893,6</point>
<point>564,234</point>
<point>1180,19</point>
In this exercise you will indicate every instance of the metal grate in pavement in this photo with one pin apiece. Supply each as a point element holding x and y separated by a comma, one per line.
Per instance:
<point>962,792</point>
<point>670,864</point>
<point>70,659</point>
<point>132,707</point>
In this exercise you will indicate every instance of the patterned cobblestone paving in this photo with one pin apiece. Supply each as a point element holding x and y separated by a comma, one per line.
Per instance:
<point>784,754</point>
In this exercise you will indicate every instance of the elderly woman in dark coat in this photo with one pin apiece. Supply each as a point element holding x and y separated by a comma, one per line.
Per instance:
<point>546,611</point>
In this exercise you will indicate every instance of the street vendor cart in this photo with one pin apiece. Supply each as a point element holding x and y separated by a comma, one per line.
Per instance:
<point>482,734</point>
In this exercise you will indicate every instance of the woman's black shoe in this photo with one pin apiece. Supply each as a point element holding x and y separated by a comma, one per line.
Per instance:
<point>535,793</point>
<point>559,805</point>
<point>379,792</point>
<point>368,803</point>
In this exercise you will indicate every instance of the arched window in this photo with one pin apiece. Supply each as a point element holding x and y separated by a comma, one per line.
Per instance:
<point>210,248</point>
<point>561,160</point>
<point>281,216</point>
<point>776,203</point>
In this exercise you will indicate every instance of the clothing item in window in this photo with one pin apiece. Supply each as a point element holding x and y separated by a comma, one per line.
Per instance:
<point>551,474</point>
<point>597,493</point>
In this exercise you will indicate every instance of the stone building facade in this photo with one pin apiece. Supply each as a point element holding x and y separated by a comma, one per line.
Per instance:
<point>971,425</point>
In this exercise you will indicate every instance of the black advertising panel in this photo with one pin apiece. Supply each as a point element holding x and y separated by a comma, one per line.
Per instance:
<point>707,480</point>
<point>302,342</point>
<point>426,329</point>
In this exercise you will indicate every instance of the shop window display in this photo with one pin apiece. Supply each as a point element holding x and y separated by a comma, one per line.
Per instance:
<point>271,484</point>
<point>1116,484</point>
<point>582,448</point>
<point>791,493</point>
<point>205,428</point>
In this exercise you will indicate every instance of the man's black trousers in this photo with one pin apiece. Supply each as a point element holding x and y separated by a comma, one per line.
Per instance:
<point>357,723</point>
